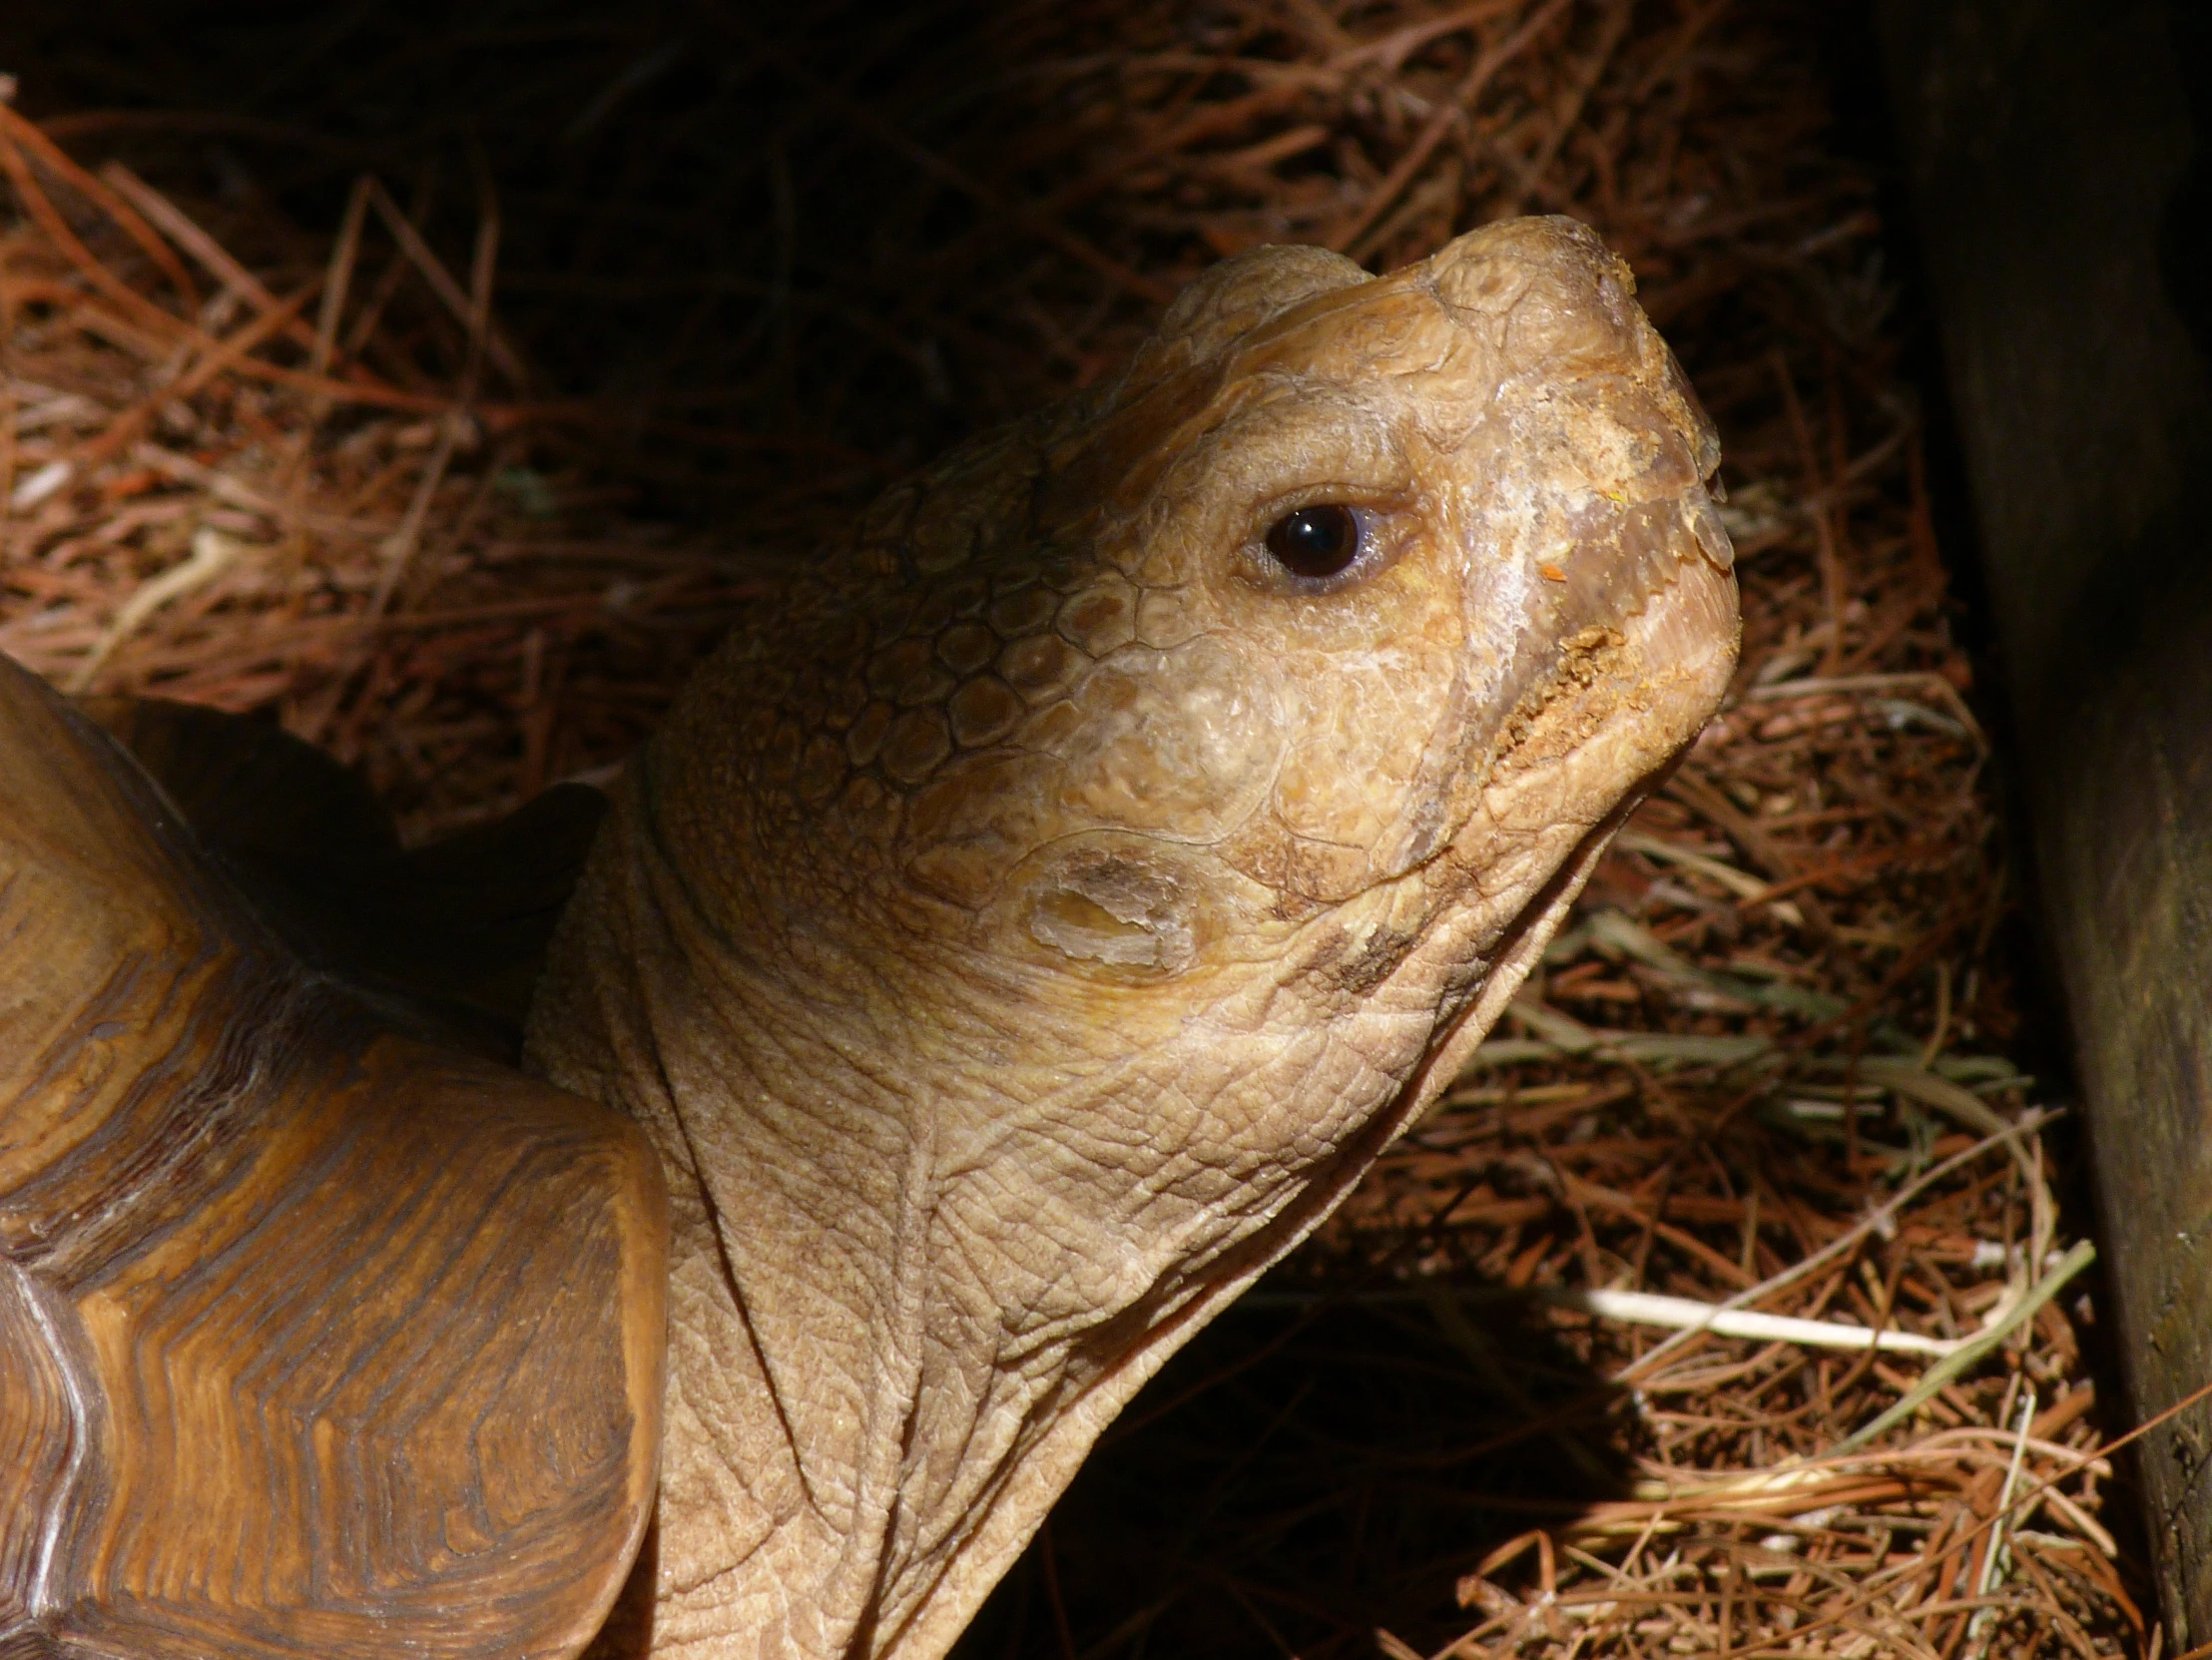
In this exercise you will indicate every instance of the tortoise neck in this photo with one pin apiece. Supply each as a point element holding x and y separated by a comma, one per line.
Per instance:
<point>851,1460</point>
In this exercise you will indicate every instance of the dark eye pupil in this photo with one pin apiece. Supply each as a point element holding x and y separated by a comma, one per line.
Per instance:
<point>1316,541</point>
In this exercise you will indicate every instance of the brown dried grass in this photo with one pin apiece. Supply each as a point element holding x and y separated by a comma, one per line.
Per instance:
<point>1769,1066</point>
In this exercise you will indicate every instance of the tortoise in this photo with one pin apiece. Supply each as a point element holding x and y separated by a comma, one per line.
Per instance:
<point>1022,932</point>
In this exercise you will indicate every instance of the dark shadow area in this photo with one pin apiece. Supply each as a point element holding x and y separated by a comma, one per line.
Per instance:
<point>1315,1465</point>
<point>1865,129</point>
<point>2185,229</point>
<point>717,220</point>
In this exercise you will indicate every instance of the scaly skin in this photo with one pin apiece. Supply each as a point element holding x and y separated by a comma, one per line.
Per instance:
<point>1027,930</point>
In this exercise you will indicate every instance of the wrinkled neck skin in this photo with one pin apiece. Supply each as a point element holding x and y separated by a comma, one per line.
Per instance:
<point>923,1252</point>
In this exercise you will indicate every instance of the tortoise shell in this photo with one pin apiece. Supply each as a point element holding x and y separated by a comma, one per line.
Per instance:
<point>320,1334</point>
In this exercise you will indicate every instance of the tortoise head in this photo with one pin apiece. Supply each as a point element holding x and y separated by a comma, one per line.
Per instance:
<point>1072,884</point>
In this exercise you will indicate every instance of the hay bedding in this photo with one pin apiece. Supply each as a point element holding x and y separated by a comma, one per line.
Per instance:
<point>309,460</point>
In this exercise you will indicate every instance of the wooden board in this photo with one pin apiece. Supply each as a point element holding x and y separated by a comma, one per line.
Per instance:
<point>2057,152</point>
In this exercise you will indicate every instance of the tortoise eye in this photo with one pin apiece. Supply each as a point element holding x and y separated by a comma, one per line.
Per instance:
<point>1318,541</point>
